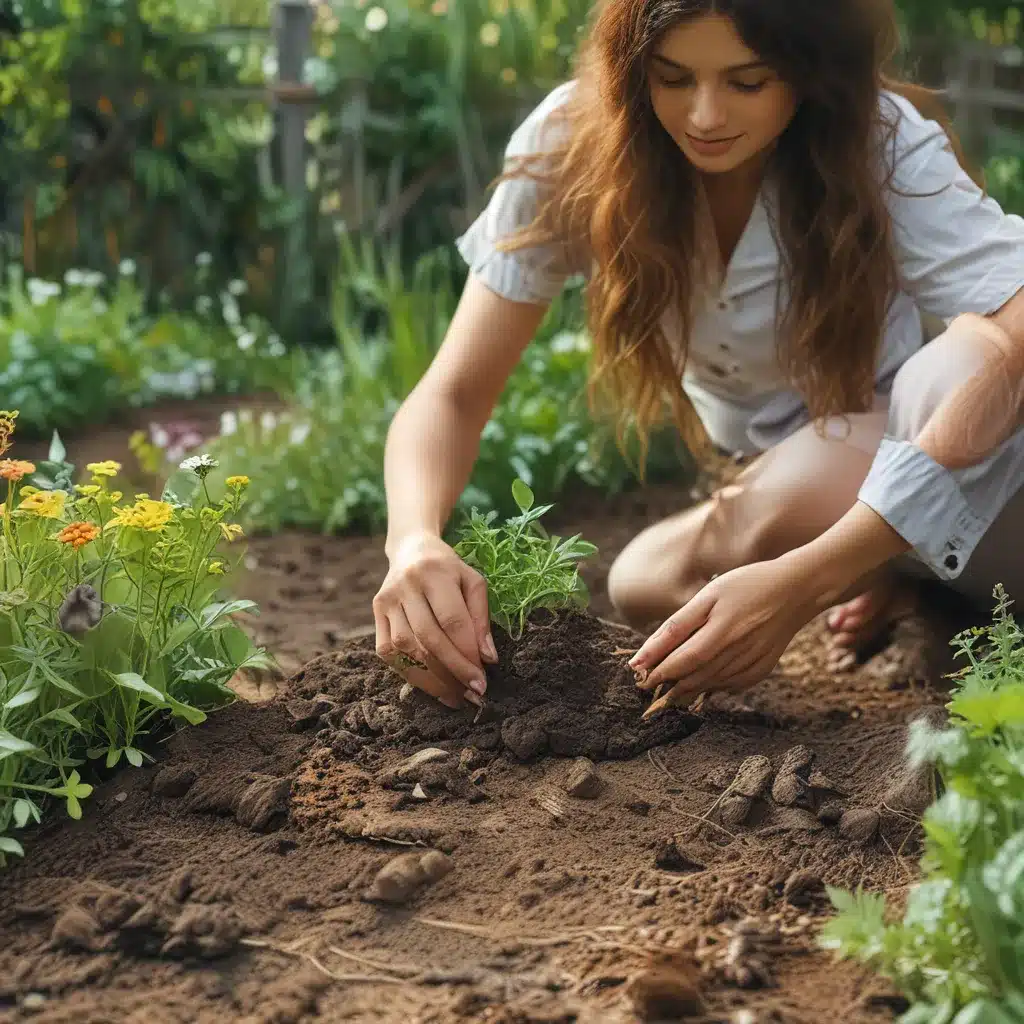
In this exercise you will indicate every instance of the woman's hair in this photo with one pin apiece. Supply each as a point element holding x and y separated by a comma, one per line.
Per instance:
<point>619,192</point>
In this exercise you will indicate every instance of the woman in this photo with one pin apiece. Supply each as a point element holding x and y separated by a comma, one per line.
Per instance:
<point>763,217</point>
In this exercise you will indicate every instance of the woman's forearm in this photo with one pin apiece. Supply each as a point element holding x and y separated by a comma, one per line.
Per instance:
<point>431,447</point>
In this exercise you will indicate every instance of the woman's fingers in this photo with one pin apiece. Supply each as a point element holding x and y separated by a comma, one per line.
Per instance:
<point>673,632</point>
<point>474,591</point>
<point>417,666</point>
<point>430,636</point>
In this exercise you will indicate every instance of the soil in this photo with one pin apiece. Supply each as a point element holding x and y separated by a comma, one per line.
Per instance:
<point>336,847</point>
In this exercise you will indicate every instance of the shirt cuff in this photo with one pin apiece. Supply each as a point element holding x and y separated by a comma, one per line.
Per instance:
<point>924,504</point>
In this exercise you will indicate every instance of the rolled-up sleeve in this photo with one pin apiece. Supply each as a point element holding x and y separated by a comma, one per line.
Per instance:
<point>958,252</point>
<point>536,274</point>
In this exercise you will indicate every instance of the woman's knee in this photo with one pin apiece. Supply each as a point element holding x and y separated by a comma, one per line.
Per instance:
<point>927,378</point>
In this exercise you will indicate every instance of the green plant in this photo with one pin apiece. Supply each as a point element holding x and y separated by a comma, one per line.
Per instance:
<point>1004,176</point>
<point>526,569</point>
<point>958,952</point>
<point>110,622</point>
<point>75,352</point>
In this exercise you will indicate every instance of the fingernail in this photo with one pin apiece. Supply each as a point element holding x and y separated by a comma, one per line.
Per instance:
<point>489,649</point>
<point>478,685</point>
<point>474,698</point>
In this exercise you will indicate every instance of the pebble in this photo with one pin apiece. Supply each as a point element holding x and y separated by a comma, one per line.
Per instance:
<point>667,989</point>
<point>859,825</point>
<point>736,808</point>
<point>403,876</point>
<point>33,1001</point>
<point>787,789</point>
<point>752,777</point>
<point>582,780</point>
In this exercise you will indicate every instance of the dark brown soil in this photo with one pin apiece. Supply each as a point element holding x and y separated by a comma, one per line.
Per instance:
<point>553,860</point>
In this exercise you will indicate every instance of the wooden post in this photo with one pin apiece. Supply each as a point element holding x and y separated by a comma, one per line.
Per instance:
<point>293,26</point>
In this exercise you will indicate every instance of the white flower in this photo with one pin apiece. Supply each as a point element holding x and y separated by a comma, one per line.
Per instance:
<point>74,277</point>
<point>376,19</point>
<point>126,268</point>
<point>229,308</point>
<point>276,347</point>
<point>246,341</point>
<point>159,436</point>
<point>228,423</point>
<point>204,304</point>
<point>237,287</point>
<point>92,279</point>
<point>268,421</point>
<point>204,259</point>
<point>40,292</point>
<point>490,33</point>
<point>299,433</point>
<point>199,464</point>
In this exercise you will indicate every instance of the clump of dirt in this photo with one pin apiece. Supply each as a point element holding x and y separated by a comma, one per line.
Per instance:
<point>564,688</point>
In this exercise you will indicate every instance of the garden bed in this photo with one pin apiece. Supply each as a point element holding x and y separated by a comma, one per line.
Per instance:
<point>237,877</point>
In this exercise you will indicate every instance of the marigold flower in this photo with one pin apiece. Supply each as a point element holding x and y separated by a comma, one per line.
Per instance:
<point>45,504</point>
<point>231,531</point>
<point>6,428</point>
<point>78,534</point>
<point>15,469</point>
<point>215,568</point>
<point>145,514</point>
<point>87,490</point>
<point>108,468</point>
<point>237,482</point>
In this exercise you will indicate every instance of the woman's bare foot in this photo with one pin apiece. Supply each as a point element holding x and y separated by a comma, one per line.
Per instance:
<point>858,624</point>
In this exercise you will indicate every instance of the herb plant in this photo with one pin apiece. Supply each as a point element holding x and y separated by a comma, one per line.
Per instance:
<point>526,570</point>
<point>958,953</point>
<point>110,622</point>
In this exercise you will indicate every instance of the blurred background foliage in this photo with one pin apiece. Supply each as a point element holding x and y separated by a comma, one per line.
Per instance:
<point>153,247</point>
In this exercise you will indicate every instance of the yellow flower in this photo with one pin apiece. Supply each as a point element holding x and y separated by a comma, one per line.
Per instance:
<point>78,534</point>
<point>231,531</point>
<point>108,468</point>
<point>6,428</point>
<point>115,496</point>
<point>145,514</point>
<point>27,490</point>
<point>87,490</point>
<point>15,469</point>
<point>237,482</point>
<point>216,568</point>
<point>46,504</point>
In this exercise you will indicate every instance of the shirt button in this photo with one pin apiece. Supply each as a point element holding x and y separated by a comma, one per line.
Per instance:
<point>951,562</point>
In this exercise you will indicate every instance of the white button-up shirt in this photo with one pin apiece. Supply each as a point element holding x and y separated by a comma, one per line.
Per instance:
<point>957,252</point>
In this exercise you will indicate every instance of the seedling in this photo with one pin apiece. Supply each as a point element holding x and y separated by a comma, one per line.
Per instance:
<point>525,568</point>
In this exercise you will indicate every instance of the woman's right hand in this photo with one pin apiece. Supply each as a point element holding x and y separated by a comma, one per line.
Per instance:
<point>432,610</point>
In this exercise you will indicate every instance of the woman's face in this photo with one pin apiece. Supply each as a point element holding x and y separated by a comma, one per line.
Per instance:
<point>720,103</point>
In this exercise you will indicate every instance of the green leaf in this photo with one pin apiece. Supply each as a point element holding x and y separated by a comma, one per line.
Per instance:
<point>11,847</point>
<point>133,681</point>
<point>134,756</point>
<point>22,812</point>
<point>63,715</point>
<point>11,744</point>
<point>25,697</point>
<point>113,756</point>
<point>58,453</point>
<point>182,710</point>
<point>522,494</point>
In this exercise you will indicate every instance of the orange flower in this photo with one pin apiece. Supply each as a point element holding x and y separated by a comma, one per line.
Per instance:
<point>15,469</point>
<point>78,534</point>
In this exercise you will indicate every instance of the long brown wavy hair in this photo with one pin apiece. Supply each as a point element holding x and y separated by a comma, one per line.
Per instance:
<point>616,191</point>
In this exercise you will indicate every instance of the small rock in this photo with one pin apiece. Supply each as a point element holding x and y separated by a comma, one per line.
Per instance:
<point>428,766</point>
<point>859,825</point>
<point>796,759</point>
<point>77,929</point>
<point>401,877</point>
<point>674,857</point>
<point>787,789</point>
<point>121,797</point>
<point>552,801</point>
<point>736,808</point>
<point>666,989</point>
<point>263,807</point>
<point>819,780</point>
<point>801,887</point>
<point>753,776</point>
<point>418,792</point>
<point>173,782</point>
<point>406,693</point>
<point>830,813</point>
<point>582,780</point>
<point>33,1001</point>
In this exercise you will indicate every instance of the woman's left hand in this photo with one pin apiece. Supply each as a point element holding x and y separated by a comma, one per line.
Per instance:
<point>731,635</point>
